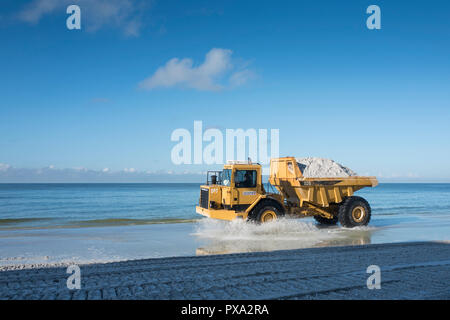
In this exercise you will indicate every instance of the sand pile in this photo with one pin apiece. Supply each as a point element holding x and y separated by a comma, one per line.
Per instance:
<point>312,167</point>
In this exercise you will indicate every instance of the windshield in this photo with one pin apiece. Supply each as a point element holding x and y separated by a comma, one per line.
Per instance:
<point>226,177</point>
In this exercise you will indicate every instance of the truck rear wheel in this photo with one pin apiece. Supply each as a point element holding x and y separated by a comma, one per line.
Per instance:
<point>354,211</point>
<point>326,221</point>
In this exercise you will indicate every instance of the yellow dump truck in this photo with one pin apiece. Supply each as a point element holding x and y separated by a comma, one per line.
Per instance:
<point>237,192</point>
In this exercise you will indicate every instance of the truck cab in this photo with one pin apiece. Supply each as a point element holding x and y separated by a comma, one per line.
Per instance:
<point>229,193</point>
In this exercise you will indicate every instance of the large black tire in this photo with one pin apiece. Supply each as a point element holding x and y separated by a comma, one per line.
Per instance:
<point>353,212</point>
<point>266,211</point>
<point>326,221</point>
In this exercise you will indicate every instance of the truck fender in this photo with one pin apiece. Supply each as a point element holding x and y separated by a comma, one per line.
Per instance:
<point>264,199</point>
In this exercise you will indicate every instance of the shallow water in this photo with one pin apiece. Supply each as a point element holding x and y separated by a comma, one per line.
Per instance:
<point>48,224</point>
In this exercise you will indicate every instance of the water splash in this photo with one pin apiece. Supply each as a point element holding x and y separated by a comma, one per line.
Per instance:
<point>283,234</point>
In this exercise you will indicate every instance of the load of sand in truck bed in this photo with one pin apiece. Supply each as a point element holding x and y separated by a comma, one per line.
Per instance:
<point>312,167</point>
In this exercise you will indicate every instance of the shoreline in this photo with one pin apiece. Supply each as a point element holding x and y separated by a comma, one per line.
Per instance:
<point>27,249</point>
<point>412,270</point>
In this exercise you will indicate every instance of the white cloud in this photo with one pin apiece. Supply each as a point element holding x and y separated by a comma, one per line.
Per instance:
<point>34,11</point>
<point>4,166</point>
<point>80,169</point>
<point>240,78</point>
<point>95,14</point>
<point>9,174</point>
<point>206,76</point>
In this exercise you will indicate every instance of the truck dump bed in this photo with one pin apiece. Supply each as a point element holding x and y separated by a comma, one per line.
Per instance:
<point>286,177</point>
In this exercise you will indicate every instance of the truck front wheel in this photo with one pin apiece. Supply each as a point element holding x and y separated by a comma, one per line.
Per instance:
<point>354,211</point>
<point>266,214</point>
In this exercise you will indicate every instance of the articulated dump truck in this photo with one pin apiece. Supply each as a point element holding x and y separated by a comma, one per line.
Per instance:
<point>237,192</point>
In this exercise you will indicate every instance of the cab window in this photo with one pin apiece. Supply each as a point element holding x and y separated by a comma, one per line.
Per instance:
<point>226,177</point>
<point>245,179</point>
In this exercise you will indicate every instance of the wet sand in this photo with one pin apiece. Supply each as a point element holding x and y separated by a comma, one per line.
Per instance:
<point>414,270</point>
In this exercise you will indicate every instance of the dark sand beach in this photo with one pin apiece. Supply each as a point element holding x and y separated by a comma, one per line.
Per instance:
<point>415,270</point>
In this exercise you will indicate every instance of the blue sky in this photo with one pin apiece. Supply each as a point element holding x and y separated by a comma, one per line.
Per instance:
<point>377,101</point>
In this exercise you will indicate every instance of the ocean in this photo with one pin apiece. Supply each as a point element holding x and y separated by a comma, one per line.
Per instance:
<point>87,205</point>
<point>51,223</point>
